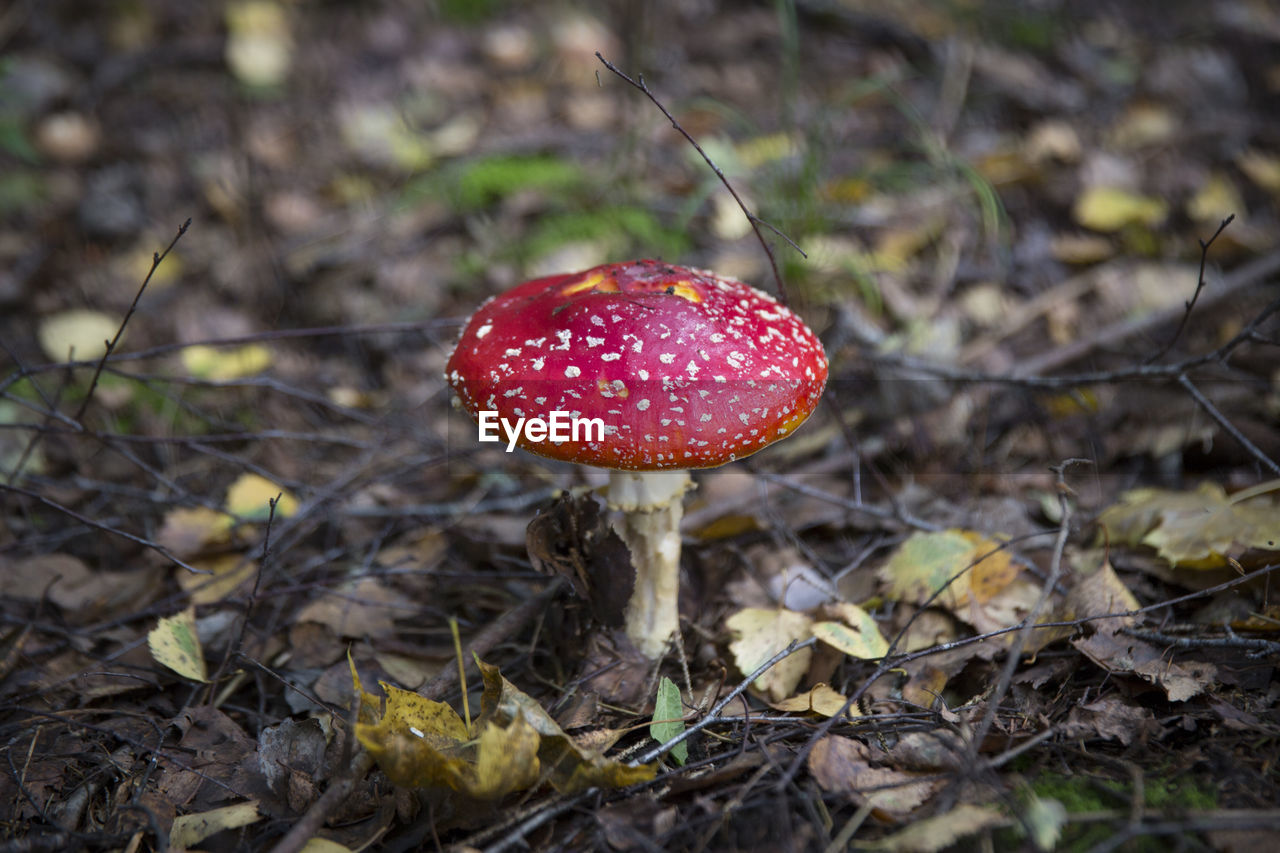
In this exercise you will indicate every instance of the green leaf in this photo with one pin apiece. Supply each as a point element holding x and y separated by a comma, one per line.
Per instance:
<point>668,719</point>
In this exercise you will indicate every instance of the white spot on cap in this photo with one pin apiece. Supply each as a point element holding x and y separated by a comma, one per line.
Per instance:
<point>642,404</point>
<point>611,356</point>
<point>667,358</point>
<point>644,375</point>
<point>572,372</point>
<point>512,353</point>
<point>692,370</point>
<point>594,342</point>
<point>538,362</point>
<point>484,330</point>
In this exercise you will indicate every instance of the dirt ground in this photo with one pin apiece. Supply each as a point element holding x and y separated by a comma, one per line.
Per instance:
<point>1009,587</point>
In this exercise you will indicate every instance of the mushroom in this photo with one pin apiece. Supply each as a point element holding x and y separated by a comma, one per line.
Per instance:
<point>646,369</point>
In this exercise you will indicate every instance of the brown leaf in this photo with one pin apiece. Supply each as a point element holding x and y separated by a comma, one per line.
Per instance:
<point>1109,719</point>
<point>363,608</point>
<point>843,765</point>
<point>1099,592</point>
<point>1122,654</point>
<point>81,592</point>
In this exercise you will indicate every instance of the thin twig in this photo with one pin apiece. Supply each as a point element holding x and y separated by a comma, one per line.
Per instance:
<point>236,649</point>
<point>106,528</point>
<point>1191,303</point>
<point>755,221</point>
<point>1224,422</point>
<point>660,749</point>
<point>1028,624</point>
<point>156,260</point>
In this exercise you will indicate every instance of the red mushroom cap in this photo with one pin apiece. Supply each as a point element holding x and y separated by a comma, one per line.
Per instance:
<point>686,369</point>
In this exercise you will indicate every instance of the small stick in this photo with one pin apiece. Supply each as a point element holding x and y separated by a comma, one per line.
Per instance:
<point>1191,303</point>
<point>755,221</point>
<point>237,648</point>
<point>156,259</point>
<point>1212,411</point>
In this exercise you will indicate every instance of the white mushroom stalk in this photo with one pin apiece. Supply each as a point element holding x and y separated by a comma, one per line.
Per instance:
<point>652,504</point>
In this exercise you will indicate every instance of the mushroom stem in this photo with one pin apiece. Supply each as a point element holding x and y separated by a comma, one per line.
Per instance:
<point>652,504</point>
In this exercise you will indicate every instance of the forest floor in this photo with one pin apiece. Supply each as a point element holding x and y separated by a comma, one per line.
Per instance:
<point>1008,588</point>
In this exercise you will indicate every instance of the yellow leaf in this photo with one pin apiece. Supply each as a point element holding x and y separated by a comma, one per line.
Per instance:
<point>1199,529</point>
<point>259,49</point>
<point>761,633</point>
<point>935,833</point>
<point>79,334</point>
<point>422,743</point>
<point>569,766</point>
<point>857,635</point>
<point>188,530</point>
<point>1216,200</point>
<point>1262,169</point>
<point>1143,125</point>
<point>316,844</point>
<point>191,829</point>
<point>759,150</point>
<point>250,494</point>
<point>1111,209</point>
<point>822,699</point>
<point>229,571</point>
<point>506,760</point>
<point>1081,248</point>
<point>219,364</point>
<point>140,262</point>
<point>174,643</point>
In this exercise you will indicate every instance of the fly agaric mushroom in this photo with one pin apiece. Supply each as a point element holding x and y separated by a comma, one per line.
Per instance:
<point>682,368</point>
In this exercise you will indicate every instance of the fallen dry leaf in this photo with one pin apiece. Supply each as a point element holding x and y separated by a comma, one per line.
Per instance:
<point>962,567</point>
<point>761,633</point>
<point>1197,530</point>
<point>189,830</point>
<point>174,643</point>
<point>1112,208</point>
<point>843,765</point>
<point>419,742</point>
<point>939,831</point>
<point>821,700</point>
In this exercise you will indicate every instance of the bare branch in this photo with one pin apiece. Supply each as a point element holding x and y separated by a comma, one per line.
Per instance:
<point>755,221</point>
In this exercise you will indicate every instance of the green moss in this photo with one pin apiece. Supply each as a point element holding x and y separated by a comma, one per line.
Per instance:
<point>619,228</point>
<point>20,189</point>
<point>474,185</point>
<point>470,11</point>
<point>495,178</point>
